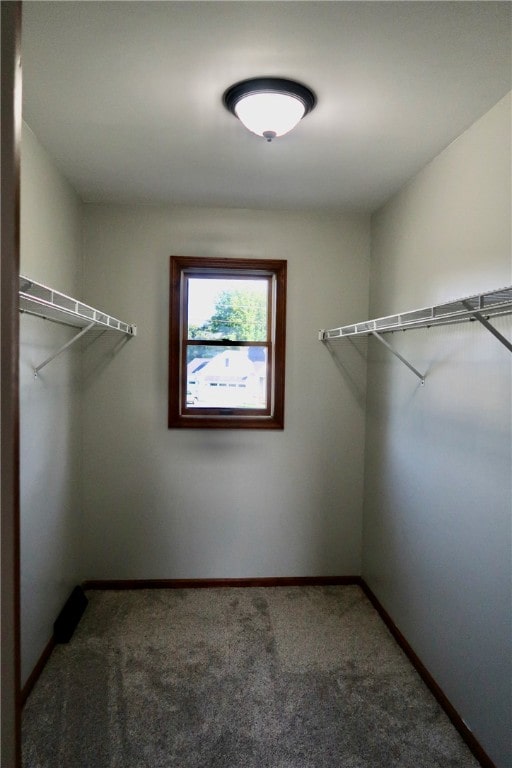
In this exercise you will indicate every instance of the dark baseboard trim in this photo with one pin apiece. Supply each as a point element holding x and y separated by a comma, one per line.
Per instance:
<point>36,672</point>
<point>278,581</point>
<point>473,744</point>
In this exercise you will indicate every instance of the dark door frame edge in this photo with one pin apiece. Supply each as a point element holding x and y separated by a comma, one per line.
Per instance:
<point>9,396</point>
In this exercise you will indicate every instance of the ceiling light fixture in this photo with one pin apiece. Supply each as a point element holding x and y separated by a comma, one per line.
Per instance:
<point>269,106</point>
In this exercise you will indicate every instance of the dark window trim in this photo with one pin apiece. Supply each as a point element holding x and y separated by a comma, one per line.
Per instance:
<point>180,417</point>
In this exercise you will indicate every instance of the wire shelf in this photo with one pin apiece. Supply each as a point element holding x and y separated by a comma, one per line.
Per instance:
<point>492,303</point>
<point>37,299</point>
<point>41,301</point>
<point>479,307</point>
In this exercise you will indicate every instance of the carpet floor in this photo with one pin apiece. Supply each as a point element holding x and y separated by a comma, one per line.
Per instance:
<point>284,677</point>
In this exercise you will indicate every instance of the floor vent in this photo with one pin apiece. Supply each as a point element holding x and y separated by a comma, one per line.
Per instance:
<point>70,615</point>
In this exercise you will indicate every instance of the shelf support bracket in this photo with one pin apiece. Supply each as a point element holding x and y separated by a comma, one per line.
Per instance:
<point>63,348</point>
<point>481,319</point>
<point>420,376</point>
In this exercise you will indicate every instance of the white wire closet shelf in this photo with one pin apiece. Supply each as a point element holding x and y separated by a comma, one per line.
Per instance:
<point>480,307</point>
<point>41,301</point>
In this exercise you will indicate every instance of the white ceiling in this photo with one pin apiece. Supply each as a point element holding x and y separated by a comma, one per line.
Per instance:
<point>126,96</point>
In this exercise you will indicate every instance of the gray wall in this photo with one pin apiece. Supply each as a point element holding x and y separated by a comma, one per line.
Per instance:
<point>437,515</point>
<point>163,503</point>
<point>50,410</point>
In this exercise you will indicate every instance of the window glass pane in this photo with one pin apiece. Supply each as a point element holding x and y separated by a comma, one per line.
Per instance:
<point>227,309</point>
<point>226,377</point>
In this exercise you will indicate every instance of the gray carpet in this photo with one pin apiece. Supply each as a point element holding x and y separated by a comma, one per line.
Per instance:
<point>299,677</point>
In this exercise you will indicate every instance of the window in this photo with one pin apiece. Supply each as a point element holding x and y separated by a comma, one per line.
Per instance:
<point>227,343</point>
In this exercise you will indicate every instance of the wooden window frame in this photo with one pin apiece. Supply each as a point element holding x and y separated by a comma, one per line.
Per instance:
<point>180,416</point>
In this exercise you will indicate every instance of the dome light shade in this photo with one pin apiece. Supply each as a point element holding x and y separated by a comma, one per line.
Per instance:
<point>269,106</point>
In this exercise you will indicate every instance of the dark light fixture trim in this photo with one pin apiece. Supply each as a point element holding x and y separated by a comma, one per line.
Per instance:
<point>269,85</point>
<point>269,124</point>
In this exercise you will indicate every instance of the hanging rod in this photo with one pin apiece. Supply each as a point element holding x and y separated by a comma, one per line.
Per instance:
<point>41,301</point>
<point>479,307</point>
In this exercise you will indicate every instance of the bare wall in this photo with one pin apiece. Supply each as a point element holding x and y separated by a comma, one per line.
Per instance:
<point>163,503</point>
<point>50,410</point>
<point>438,502</point>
